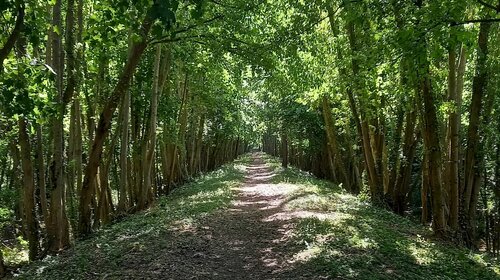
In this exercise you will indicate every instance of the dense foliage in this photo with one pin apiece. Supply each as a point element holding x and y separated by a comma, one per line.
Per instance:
<point>107,104</point>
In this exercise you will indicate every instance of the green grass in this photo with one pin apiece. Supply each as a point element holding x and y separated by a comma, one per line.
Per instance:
<point>138,234</point>
<point>353,240</point>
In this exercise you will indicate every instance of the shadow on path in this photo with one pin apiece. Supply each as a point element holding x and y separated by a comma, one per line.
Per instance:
<point>250,240</point>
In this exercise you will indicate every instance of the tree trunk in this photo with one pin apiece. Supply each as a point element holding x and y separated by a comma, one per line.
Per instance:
<point>150,137</point>
<point>199,144</point>
<point>102,131</point>
<point>29,218</point>
<point>424,192</point>
<point>394,155</point>
<point>58,229</point>
<point>455,88</point>
<point>403,179</point>
<point>433,150</point>
<point>176,159</point>
<point>105,203</point>
<point>473,159</point>
<point>123,203</point>
<point>2,265</point>
<point>335,156</point>
<point>41,174</point>
<point>284,148</point>
<point>372,165</point>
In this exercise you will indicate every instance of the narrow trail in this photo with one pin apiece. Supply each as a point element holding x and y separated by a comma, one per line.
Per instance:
<point>247,241</point>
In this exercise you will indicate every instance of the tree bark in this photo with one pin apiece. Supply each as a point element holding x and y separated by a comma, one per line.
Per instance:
<point>284,148</point>
<point>433,150</point>
<point>430,131</point>
<point>105,202</point>
<point>29,218</point>
<point>199,144</point>
<point>150,137</point>
<point>41,174</point>
<point>403,179</point>
<point>2,265</point>
<point>123,202</point>
<point>58,229</point>
<point>455,89</point>
<point>335,156</point>
<point>473,159</point>
<point>373,165</point>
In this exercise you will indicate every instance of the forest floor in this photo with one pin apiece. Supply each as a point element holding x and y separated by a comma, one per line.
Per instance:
<point>254,220</point>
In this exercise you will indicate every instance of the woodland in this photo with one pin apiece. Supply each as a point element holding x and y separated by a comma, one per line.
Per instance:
<point>110,107</point>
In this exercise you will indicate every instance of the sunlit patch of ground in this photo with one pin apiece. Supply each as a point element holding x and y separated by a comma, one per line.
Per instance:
<point>349,239</point>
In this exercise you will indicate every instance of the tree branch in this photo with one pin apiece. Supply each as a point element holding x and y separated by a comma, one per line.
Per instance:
<point>171,37</point>
<point>488,5</point>
<point>7,48</point>
<point>474,21</point>
<point>193,26</point>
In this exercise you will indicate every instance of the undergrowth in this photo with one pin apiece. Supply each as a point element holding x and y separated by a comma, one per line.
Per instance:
<point>350,239</point>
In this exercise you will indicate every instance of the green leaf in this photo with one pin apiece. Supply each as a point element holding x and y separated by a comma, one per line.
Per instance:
<point>56,29</point>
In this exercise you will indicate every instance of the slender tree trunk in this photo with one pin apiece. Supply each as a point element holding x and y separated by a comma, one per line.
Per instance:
<point>78,145</point>
<point>150,137</point>
<point>433,151</point>
<point>199,144</point>
<point>284,148</point>
<point>164,165</point>
<point>102,131</point>
<point>455,88</point>
<point>474,159</point>
<point>28,190</point>
<point>424,193</point>
<point>2,265</point>
<point>373,166</point>
<point>78,148</point>
<point>123,203</point>
<point>41,174</point>
<point>430,131</point>
<point>336,158</point>
<point>496,191</point>
<point>394,156</point>
<point>403,179</point>
<point>105,203</point>
<point>182,121</point>
<point>58,228</point>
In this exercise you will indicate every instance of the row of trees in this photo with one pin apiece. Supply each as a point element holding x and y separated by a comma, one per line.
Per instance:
<point>106,105</point>
<point>398,99</point>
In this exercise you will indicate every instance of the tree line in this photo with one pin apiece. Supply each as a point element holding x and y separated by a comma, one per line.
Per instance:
<point>398,101</point>
<point>107,104</point>
<point>104,108</point>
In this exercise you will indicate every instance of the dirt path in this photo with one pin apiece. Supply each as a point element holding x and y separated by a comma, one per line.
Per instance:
<point>247,241</point>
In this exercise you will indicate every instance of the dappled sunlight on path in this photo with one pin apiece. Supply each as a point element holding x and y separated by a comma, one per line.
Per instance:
<point>251,239</point>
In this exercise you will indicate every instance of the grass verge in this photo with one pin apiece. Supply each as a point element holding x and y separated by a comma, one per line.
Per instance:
<point>142,234</point>
<point>345,238</point>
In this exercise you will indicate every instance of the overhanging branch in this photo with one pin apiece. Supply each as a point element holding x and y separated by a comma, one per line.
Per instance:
<point>7,48</point>
<point>488,5</point>
<point>474,21</point>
